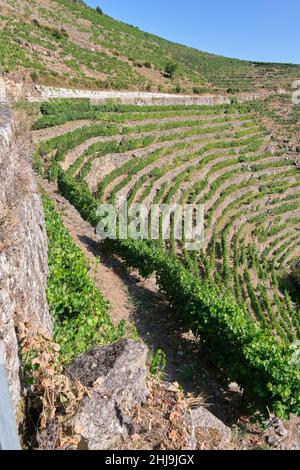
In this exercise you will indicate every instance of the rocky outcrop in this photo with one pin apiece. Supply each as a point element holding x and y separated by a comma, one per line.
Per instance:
<point>117,377</point>
<point>117,374</point>
<point>23,248</point>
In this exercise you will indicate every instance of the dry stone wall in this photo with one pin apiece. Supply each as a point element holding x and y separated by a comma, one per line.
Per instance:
<point>2,90</point>
<point>44,93</point>
<point>23,249</point>
<point>139,98</point>
<point>16,91</point>
<point>12,90</point>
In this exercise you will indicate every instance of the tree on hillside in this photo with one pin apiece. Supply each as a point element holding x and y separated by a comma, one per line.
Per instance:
<point>170,69</point>
<point>99,10</point>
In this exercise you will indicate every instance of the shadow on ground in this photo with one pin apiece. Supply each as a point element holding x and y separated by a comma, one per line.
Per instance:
<point>159,326</point>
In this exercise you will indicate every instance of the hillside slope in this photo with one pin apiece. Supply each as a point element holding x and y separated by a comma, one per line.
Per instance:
<point>64,42</point>
<point>219,156</point>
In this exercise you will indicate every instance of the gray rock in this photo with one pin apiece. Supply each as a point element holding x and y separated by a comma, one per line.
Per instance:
<point>208,430</point>
<point>118,375</point>
<point>139,98</point>
<point>23,249</point>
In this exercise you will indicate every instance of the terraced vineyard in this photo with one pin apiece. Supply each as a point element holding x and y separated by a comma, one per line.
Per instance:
<point>230,291</point>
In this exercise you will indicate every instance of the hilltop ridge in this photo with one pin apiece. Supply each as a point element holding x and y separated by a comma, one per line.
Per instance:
<point>66,43</point>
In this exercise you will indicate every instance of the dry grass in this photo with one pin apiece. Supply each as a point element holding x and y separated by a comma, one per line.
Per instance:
<point>160,423</point>
<point>52,397</point>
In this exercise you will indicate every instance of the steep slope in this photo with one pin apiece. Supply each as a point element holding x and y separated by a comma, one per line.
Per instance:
<point>64,42</point>
<point>219,156</point>
<point>234,300</point>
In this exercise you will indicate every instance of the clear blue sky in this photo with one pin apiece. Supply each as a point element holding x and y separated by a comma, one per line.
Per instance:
<point>265,30</point>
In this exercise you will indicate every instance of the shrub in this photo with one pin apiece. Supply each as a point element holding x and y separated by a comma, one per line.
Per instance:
<point>233,90</point>
<point>99,10</point>
<point>246,350</point>
<point>170,70</point>
<point>296,274</point>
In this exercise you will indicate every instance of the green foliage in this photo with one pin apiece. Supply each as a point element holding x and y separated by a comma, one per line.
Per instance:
<point>158,363</point>
<point>80,312</point>
<point>170,69</point>
<point>295,275</point>
<point>79,196</point>
<point>123,50</point>
<point>250,356</point>
<point>34,76</point>
<point>59,33</point>
<point>56,112</point>
<point>218,157</point>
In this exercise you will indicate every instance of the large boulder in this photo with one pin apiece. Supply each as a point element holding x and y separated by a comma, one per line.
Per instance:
<point>117,376</point>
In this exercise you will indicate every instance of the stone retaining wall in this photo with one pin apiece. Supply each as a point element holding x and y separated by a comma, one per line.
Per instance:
<point>23,249</point>
<point>139,98</point>
<point>2,90</point>
<point>44,93</point>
